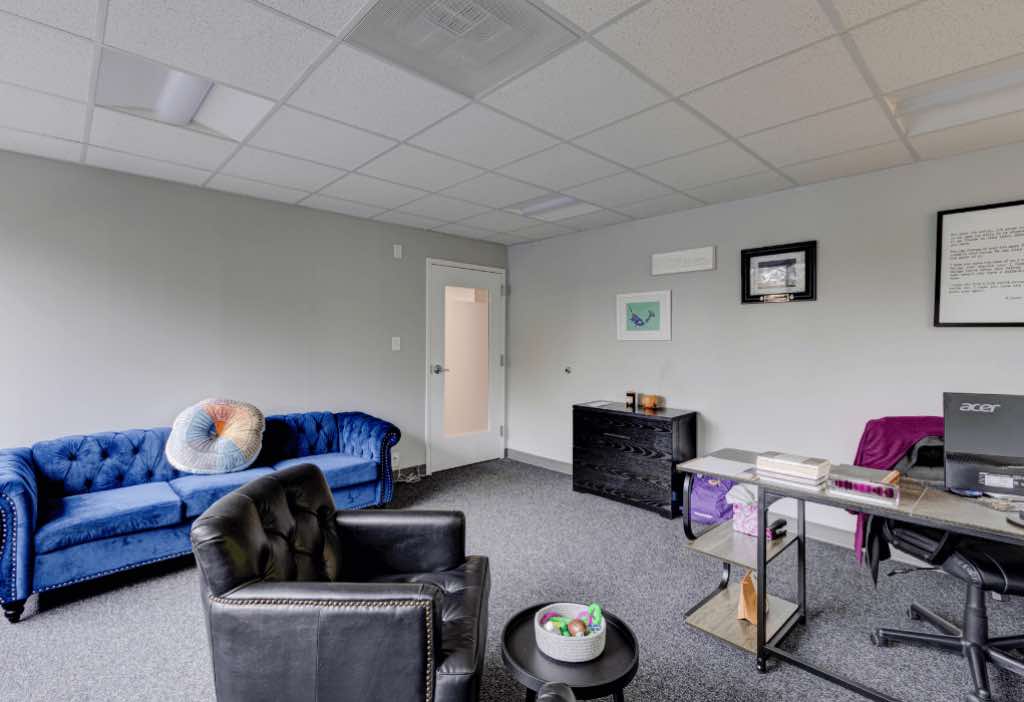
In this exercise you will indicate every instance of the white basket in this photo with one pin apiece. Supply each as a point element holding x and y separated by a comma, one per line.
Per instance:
<point>568,649</point>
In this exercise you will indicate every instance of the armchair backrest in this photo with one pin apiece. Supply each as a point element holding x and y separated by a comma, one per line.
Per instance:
<point>278,528</point>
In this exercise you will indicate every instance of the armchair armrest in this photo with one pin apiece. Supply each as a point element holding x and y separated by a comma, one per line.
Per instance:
<point>360,434</point>
<point>310,640</point>
<point>555,692</point>
<point>19,504</point>
<point>386,542</point>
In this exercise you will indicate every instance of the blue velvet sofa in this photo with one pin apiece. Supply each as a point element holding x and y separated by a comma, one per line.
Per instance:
<point>80,507</point>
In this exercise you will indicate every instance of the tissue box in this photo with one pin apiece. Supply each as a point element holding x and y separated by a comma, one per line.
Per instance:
<point>744,518</point>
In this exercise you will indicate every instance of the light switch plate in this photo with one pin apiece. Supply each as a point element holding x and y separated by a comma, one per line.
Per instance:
<point>396,460</point>
<point>398,251</point>
<point>686,261</point>
<point>396,343</point>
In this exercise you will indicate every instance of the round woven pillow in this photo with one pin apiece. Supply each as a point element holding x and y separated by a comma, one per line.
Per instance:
<point>215,436</point>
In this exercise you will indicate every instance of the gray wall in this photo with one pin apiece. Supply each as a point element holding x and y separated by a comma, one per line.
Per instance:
<point>125,299</point>
<point>800,377</point>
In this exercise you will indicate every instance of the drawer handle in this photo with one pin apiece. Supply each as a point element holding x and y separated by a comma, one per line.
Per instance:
<point>616,436</point>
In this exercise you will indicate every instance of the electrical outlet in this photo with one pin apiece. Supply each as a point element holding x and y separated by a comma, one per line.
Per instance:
<point>396,460</point>
<point>396,343</point>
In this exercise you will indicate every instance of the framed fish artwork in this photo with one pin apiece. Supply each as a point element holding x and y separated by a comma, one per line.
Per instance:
<point>644,316</point>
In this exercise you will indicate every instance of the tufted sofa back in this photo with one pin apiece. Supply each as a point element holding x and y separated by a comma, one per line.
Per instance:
<point>278,528</point>
<point>297,436</point>
<point>73,465</point>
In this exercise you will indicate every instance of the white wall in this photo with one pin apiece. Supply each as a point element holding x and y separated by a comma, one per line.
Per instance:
<point>125,299</point>
<point>800,377</point>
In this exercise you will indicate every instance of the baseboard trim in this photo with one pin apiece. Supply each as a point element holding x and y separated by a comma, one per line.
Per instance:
<point>539,461</point>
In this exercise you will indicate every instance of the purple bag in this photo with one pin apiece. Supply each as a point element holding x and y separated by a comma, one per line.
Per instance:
<point>707,500</point>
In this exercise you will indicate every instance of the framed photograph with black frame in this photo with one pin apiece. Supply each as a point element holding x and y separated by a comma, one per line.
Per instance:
<point>979,266</point>
<point>781,273</point>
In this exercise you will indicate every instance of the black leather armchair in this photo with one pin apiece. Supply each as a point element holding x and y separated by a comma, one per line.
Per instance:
<point>555,692</point>
<point>305,602</point>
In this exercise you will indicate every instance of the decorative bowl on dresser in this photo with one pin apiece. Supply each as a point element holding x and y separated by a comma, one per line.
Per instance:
<point>631,456</point>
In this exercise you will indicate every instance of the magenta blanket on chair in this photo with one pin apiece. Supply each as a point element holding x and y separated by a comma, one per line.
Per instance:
<point>884,442</point>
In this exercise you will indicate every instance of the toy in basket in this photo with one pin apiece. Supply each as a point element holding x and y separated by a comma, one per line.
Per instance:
<point>571,633</point>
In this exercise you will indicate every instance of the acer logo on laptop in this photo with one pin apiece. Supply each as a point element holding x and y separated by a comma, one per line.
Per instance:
<point>979,407</point>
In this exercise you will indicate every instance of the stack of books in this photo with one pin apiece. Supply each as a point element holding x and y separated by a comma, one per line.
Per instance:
<point>793,471</point>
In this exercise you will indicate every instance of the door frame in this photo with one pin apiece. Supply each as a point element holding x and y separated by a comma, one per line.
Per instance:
<point>503,377</point>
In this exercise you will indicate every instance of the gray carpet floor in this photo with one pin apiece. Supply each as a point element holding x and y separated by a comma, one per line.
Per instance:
<point>141,637</point>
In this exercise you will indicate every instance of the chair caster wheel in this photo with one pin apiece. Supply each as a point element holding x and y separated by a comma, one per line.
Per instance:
<point>877,640</point>
<point>762,666</point>
<point>912,614</point>
<point>972,697</point>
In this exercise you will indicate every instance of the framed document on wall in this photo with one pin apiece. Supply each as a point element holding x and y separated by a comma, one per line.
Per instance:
<point>979,276</point>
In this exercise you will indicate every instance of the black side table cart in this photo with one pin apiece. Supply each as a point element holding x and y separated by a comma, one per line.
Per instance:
<point>607,675</point>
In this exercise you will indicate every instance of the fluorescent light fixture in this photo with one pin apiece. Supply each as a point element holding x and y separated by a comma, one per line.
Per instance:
<point>181,97</point>
<point>989,91</point>
<point>544,203</point>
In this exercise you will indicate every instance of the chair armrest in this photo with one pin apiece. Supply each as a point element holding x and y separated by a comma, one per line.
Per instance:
<point>386,542</point>
<point>360,434</point>
<point>555,692</point>
<point>19,505</point>
<point>306,640</point>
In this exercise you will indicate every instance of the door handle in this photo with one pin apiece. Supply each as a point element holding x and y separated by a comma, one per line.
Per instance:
<point>438,369</point>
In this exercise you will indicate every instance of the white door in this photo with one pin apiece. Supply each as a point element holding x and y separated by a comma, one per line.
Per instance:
<point>465,364</point>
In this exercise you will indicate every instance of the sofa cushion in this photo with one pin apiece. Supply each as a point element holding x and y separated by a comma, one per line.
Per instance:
<point>77,519</point>
<point>340,469</point>
<point>200,491</point>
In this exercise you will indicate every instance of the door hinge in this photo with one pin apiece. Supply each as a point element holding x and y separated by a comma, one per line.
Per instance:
<point>501,430</point>
<point>502,360</point>
<point>504,290</point>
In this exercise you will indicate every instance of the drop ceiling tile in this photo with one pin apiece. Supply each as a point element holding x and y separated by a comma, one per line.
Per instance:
<point>363,189</point>
<point>25,109</point>
<point>408,220</point>
<point>233,41</point>
<point>411,166</point>
<point>651,136</point>
<point>363,90</point>
<point>590,14</point>
<point>494,190</point>
<point>256,164</point>
<point>507,239</point>
<point>138,165</point>
<point>873,158</point>
<point>75,16</point>
<point>231,112</point>
<point>561,167</point>
<point>329,15</point>
<point>544,231</point>
<point>621,189</point>
<point>498,221</point>
<point>443,208</point>
<point>252,188</point>
<point>854,12</point>
<point>939,37</point>
<point>747,186</point>
<point>483,137</point>
<point>578,90</point>
<point>462,230</point>
<point>333,204</point>
<point>560,213</point>
<point>36,145</point>
<point>595,220</point>
<point>43,58</point>
<point>812,80</point>
<point>660,206</point>
<point>298,133</point>
<point>135,135</point>
<point>685,45</point>
<point>710,165</point>
<point>984,134</point>
<point>845,129</point>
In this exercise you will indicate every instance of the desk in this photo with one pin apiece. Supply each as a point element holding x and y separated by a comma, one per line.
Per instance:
<point>716,613</point>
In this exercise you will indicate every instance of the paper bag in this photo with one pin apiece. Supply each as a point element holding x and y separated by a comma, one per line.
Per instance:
<point>748,598</point>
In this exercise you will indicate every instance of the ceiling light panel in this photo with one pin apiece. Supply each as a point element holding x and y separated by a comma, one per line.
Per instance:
<point>313,138</point>
<point>36,145</point>
<point>579,90</point>
<point>75,16</point>
<point>815,79</point>
<point>939,37</point>
<point>590,14</point>
<point>44,59</point>
<point>144,137</point>
<point>420,169</point>
<point>659,133</point>
<point>21,108</point>
<point>390,100</point>
<point>231,112</point>
<point>685,45</point>
<point>467,45</point>
<point>231,41</point>
<point>329,15</point>
<point>483,137</point>
<point>560,167</point>
<point>138,165</point>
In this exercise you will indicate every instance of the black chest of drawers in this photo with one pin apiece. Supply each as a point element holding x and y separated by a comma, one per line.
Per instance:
<point>631,456</point>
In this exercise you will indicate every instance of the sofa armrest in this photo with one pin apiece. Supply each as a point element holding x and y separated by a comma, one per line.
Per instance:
<point>307,640</point>
<point>387,542</point>
<point>360,434</point>
<point>19,504</point>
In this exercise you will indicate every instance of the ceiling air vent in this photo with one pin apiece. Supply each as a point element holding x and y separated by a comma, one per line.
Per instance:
<point>467,45</point>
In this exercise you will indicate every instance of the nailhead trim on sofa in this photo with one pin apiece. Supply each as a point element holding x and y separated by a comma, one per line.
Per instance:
<point>14,545</point>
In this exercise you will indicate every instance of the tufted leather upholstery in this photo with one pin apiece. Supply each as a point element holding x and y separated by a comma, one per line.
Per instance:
<point>301,602</point>
<point>555,692</point>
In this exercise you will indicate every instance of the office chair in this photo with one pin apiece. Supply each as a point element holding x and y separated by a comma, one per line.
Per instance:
<point>985,566</point>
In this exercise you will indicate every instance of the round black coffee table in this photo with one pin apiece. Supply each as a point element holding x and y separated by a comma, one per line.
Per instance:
<point>606,675</point>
